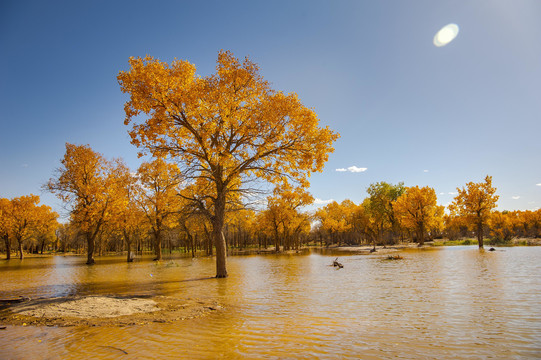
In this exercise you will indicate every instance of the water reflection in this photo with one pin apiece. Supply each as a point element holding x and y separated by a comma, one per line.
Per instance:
<point>446,303</point>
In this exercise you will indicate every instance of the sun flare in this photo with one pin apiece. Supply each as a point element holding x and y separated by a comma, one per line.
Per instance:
<point>446,35</point>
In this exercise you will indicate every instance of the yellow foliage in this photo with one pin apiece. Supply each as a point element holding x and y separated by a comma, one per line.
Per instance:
<point>158,192</point>
<point>475,203</point>
<point>225,124</point>
<point>418,211</point>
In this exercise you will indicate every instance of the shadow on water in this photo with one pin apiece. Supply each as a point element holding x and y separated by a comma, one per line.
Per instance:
<point>135,287</point>
<point>74,261</point>
<point>43,262</point>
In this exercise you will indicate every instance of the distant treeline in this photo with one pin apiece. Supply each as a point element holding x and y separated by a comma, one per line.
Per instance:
<point>146,212</point>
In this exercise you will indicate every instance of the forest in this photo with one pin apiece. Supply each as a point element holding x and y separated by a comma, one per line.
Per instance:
<point>228,163</point>
<point>146,212</point>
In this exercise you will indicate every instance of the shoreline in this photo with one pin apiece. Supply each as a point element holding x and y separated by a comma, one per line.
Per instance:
<point>361,249</point>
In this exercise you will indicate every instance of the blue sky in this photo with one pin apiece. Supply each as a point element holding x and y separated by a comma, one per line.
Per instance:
<point>406,109</point>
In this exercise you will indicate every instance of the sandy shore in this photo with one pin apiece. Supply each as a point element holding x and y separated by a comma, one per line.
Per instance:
<point>105,311</point>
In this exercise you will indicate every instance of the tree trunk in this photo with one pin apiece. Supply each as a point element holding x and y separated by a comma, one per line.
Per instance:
<point>194,243</point>
<point>20,242</point>
<point>208,240</point>
<point>480,234</point>
<point>90,243</point>
<point>277,244</point>
<point>276,240</point>
<point>189,243</point>
<point>218,236</point>
<point>421,235</point>
<point>8,247</point>
<point>128,246</point>
<point>158,245</point>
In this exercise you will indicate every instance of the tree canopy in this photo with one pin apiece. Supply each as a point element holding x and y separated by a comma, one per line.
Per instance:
<point>229,129</point>
<point>475,203</point>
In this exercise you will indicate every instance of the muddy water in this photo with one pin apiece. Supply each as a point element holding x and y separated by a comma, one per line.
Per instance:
<point>448,303</point>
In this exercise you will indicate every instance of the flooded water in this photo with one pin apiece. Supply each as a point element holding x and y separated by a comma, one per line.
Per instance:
<point>446,303</point>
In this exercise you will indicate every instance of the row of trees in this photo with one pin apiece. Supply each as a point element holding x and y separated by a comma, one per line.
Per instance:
<point>393,212</point>
<point>24,222</point>
<point>107,200</point>
<point>114,209</point>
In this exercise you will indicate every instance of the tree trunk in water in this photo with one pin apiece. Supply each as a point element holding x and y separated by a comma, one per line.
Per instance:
<point>208,241</point>
<point>218,236</point>
<point>130,257</point>
<point>194,242</point>
<point>276,240</point>
<point>277,244</point>
<point>480,234</point>
<point>128,246</point>
<point>20,242</point>
<point>90,243</point>
<point>8,248</point>
<point>190,244</point>
<point>421,235</point>
<point>158,245</point>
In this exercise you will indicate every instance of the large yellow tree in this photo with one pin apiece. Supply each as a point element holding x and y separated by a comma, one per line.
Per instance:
<point>158,197</point>
<point>380,206</point>
<point>229,128</point>
<point>127,218</point>
<point>333,219</point>
<point>86,182</point>
<point>45,225</point>
<point>23,218</point>
<point>417,210</point>
<point>475,203</point>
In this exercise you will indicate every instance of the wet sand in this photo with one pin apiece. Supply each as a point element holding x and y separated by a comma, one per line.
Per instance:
<point>105,311</point>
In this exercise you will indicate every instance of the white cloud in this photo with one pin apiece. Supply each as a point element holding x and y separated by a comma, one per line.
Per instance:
<point>515,197</point>
<point>442,193</point>
<point>538,184</point>
<point>452,193</point>
<point>356,169</point>
<point>353,169</point>
<point>322,202</point>
<point>425,170</point>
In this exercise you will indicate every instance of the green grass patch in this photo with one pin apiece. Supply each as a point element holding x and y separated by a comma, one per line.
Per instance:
<point>461,242</point>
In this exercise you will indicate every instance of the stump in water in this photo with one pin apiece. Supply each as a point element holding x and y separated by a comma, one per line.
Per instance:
<point>335,263</point>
